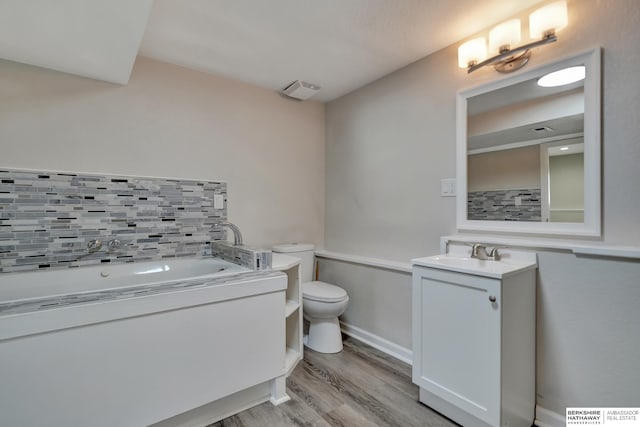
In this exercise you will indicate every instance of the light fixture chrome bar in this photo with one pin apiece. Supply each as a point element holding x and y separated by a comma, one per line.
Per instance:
<point>505,56</point>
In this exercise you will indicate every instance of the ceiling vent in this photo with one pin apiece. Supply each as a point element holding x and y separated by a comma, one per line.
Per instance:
<point>301,90</point>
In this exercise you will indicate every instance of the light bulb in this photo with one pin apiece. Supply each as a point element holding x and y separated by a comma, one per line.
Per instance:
<point>552,17</point>
<point>473,51</point>
<point>505,34</point>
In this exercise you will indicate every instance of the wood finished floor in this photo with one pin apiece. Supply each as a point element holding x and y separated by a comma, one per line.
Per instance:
<point>359,387</point>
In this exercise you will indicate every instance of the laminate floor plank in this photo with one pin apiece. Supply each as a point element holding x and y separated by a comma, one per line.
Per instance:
<point>346,416</point>
<point>381,375</point>
<point>360,386</point>
<point>381,385</point>
<point>319,395</point>
<point>302,414</point>
<point>361,399</point>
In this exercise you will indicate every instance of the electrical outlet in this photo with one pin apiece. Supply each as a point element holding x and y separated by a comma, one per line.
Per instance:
<point>218,201</point>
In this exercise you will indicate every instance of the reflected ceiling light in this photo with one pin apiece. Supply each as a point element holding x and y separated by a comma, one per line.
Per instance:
<point>563,77</point>
<point>564,148</point>
<point>543,25</point>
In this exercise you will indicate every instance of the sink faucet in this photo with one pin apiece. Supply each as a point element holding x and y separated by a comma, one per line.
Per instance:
<point>237,236</point>
<point>479,251</point>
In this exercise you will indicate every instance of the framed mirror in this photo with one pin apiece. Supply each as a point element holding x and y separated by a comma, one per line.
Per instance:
<point>528,151</point>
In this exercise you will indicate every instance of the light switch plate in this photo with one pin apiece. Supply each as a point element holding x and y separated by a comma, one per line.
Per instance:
<point>448,187</point>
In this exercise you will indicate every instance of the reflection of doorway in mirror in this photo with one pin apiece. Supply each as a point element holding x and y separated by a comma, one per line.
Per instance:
<point>562,178</point>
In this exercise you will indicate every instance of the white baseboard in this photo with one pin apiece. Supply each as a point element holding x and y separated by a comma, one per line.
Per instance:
<point>386,346</point>
<point>547,418</point>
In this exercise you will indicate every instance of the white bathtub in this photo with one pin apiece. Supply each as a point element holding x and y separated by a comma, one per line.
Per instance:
<point>135,344</point>
<point>17,286</point>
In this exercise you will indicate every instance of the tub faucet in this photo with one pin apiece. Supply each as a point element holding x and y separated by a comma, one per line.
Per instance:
<point>94,245</point>
<point>237,235</point>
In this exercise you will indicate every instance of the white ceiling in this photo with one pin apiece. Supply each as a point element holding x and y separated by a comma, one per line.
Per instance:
<point>338,44</point>
<point>90,38</point>
<point>567,126</point>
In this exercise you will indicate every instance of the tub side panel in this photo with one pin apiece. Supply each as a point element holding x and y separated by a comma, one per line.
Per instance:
<point>142,370</point>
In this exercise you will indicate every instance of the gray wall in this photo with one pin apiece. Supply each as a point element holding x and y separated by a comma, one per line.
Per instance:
<point>504,169</point>
<point>173,122</point>
<point>566,184</point>
<point>390,143</point>
<point>378,298</point>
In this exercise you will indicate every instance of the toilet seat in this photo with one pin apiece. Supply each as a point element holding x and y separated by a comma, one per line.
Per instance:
<point>323,292</point>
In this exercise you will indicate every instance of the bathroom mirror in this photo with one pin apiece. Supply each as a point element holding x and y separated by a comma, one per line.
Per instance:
<point>528,152</point>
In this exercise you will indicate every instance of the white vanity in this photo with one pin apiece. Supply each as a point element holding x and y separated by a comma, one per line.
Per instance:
<point>474,336</point>
<point>519,143</point>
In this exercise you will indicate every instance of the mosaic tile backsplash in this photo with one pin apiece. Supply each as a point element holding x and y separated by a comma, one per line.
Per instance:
<point>47,218</point>
<point>500,205</point>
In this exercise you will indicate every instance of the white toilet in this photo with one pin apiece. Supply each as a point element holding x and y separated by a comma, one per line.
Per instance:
<point>322,303</point>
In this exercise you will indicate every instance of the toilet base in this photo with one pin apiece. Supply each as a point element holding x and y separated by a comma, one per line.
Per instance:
<point>324,335</point>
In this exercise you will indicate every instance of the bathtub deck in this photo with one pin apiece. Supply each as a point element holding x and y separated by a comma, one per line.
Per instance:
<point>74,299</point>
<point>21,318</point>
<point>359,387</point>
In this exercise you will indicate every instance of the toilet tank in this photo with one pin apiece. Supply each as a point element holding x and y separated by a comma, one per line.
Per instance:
<point>304,251</point>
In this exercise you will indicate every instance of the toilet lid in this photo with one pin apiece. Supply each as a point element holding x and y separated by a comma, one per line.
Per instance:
<point>323,292</point>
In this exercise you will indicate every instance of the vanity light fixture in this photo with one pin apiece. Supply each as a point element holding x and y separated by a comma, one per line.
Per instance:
<point>563,77</point>
<point>543,25</point>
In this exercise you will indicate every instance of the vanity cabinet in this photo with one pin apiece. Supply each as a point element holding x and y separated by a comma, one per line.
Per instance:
<point>293,308</point>
<point>474,344</point>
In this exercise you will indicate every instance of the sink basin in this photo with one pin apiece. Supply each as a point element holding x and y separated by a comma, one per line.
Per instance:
<point>487,268</point>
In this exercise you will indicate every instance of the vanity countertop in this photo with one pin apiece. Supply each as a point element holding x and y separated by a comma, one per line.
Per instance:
<point>487,268</point>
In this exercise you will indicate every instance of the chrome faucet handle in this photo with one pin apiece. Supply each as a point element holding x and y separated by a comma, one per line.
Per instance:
<point>94,245</point>
<point>478,250</point>
<point>494,254</point>
<point>474,247</point>
<point>114,244</point>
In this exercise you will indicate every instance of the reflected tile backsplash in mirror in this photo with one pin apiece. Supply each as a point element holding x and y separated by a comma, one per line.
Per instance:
<point>505,205</point>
